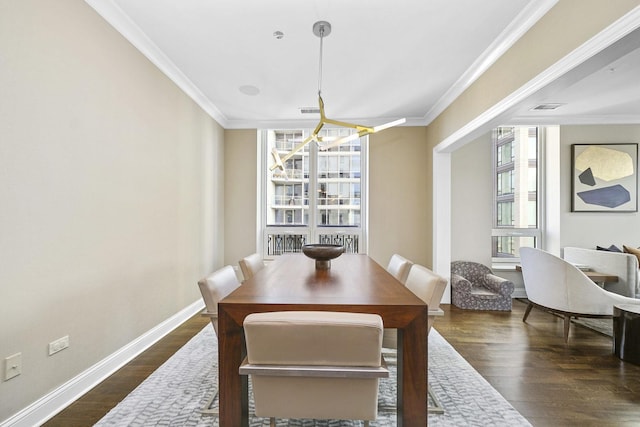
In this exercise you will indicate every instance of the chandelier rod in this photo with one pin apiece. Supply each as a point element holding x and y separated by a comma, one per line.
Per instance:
<point>321,30</point>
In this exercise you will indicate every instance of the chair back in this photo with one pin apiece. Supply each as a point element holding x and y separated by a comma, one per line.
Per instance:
<point>428,286</point>
<point>470,270</point>
<point>214,287</point>
<point>250,265</point>
<point>552,282</point>
<point>399,267</point>
<point>312,364</point>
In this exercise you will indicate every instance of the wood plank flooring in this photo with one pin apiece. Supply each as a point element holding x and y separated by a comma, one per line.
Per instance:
<point>551,383</point>
<point>580,383</point>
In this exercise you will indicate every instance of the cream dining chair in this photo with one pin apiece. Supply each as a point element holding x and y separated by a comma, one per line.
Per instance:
<point>250,265</point>
<point>429,287</point>
<point>399,267</point>
<point>314,364</point>
<point>213,288</point>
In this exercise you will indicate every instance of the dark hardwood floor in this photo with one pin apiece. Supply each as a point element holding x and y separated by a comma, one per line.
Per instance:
<point>549,382</point>
<point>580,383</point>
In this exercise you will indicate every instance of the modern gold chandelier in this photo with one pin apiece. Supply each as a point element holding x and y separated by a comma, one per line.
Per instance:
<point>322,29</point>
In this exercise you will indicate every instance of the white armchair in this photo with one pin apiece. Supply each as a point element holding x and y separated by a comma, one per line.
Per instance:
<point>556,285</point>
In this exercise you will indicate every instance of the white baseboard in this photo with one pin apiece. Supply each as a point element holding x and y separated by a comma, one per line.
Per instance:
<point>52,403</point>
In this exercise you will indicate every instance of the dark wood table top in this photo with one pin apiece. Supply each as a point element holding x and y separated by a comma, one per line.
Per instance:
<point>354,283</point>
<point>292,282</point>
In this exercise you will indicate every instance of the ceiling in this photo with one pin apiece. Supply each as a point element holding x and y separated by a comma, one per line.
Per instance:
<point>382,60</point>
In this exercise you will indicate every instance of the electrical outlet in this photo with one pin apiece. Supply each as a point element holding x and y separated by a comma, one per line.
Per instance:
<point>12,366</point>
<point>59,344</point>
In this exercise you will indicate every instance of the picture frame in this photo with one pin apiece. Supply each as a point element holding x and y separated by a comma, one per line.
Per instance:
<point>604,177</point>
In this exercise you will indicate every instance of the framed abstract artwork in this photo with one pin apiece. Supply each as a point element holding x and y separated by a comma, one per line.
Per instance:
<point>604,177</point>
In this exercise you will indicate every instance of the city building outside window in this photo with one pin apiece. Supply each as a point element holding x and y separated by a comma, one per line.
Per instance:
<point>517,191</point>
<point>319,198</point>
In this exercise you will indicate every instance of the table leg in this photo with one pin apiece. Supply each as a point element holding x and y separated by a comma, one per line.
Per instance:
<point>233,387</point>
<point>412,373</point>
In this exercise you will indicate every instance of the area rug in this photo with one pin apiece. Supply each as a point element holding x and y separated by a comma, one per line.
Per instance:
<point>177,391</point>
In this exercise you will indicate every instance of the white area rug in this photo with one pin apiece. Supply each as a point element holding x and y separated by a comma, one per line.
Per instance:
<point>176,392</point>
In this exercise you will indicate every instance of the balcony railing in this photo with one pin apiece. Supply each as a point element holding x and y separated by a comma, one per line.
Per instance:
<point>289,201</point>
<point>349,241</point>
<point>292,174</point>
<point>278,244</point>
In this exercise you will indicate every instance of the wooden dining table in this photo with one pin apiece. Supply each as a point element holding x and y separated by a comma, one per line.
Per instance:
<point>354,283</point>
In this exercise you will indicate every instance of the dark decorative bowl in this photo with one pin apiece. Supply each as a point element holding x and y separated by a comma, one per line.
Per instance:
<point>323,254</point>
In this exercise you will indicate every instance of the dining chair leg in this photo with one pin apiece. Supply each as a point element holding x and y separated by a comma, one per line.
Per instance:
<point>437,407</point>
<point>526,312</point>
<point>208,410</point>
<point>272,422</point>
<point>567,322</point>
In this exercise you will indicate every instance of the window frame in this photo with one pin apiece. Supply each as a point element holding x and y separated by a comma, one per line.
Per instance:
<point>536,233</point>
<point>296,235</point>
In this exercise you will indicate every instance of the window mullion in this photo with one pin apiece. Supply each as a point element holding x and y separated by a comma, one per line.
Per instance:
<point>313,190</point>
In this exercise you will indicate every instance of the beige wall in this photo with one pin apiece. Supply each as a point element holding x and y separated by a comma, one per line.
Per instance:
<point>471,201</point>
<point>240,202</point>
<point>400,176</point>
<point>111,192</point>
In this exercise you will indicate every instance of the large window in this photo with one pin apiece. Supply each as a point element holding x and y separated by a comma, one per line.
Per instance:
<point>319,198</point>
<point>517,195</point>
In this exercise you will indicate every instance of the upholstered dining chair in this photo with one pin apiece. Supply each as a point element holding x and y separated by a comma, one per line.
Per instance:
<point>429,287</point>
<point>554,284</point>
<point>314,364</point>
<point>250,265</point>
<point>213,288</point>
<point>399,267</point>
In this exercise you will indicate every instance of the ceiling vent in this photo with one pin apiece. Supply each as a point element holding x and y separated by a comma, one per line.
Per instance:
<point>546,107</point>
<point>309,110</point>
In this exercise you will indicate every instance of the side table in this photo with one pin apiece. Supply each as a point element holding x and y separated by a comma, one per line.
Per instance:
<point>626,332</point>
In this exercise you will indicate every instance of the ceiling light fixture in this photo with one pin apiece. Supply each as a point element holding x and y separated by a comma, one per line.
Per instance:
<point>322,29</point>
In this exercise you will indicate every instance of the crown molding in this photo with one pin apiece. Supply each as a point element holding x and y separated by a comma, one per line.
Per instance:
<point>511,34</point>
<point>614,32</point>
<point>114,15</point>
